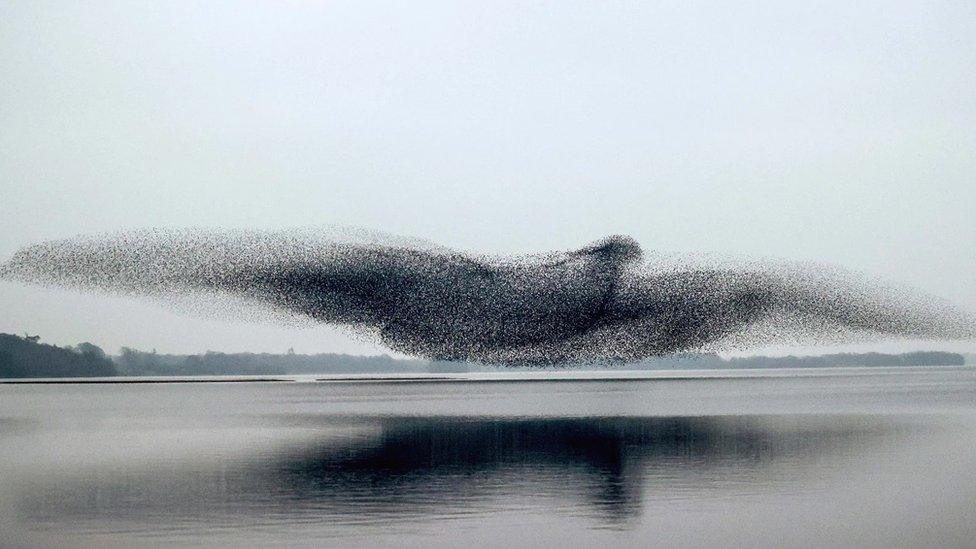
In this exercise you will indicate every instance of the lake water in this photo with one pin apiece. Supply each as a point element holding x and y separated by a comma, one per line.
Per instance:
<point>850,457</point>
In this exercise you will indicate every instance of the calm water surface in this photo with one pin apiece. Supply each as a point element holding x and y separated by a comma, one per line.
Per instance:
<point>839,457</point>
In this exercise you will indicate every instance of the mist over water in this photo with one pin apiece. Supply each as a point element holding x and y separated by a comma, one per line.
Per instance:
<point>846,457</point>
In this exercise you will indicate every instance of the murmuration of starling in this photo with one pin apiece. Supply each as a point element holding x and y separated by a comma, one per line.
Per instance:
<point>605,302</point>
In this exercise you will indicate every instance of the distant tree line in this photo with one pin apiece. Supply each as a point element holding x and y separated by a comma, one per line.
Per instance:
<point>710,361</point>
<point>138,363</point>
<point>27,357</point>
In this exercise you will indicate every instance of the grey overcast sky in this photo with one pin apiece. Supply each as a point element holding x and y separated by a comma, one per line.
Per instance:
<point>841,132</point>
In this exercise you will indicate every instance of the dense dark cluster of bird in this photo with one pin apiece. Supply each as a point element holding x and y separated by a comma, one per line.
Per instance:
<point>604,302</point>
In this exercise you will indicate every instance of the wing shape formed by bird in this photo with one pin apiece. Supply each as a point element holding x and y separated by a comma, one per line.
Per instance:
<point>602,302</point>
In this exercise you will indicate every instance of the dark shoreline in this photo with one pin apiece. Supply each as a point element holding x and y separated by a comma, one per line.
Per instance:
<point>507,377</point>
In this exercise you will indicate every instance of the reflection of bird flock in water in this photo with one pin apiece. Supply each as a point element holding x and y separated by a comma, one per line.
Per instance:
<point>607,301</point>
